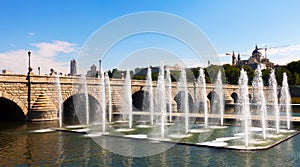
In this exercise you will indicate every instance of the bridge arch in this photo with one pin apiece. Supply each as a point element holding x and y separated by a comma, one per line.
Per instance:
<point>141,100</point>
<point>214,100</point>
<point>74,109</point>
<point>178,100</point>
<point>235,97</point>
<point>12,108</point>
<point>74,92</point>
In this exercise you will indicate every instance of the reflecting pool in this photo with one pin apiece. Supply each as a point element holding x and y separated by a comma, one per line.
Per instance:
<point>24,144</point>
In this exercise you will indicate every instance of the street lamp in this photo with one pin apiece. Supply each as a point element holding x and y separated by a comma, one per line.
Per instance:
<point>29,84</point>
<point>100,65</point>
<point>29,68</point>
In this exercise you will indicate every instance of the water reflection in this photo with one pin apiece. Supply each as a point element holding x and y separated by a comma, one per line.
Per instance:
<point>21,144</point>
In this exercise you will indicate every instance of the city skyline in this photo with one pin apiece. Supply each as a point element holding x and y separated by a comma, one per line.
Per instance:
<point>55,31</point>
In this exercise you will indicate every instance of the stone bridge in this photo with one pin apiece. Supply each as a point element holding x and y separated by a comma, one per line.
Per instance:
<point>36,98</point>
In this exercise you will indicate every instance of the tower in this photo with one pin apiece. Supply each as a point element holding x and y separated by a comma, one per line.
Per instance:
<point>233,63</point>
<point>73,67</point>
<point>256,54</point>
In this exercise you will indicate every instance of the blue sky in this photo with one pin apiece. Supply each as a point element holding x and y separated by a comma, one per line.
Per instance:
<point>55,31</point>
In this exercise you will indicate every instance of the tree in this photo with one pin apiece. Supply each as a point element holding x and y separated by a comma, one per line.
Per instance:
<point>295,80</point>
<point>175,76</point>
<point>190,76</point>
<point>294,67</point>
<point>110,74</point>
<point>232,74</point>
<point>212,72</point>
<point>279,74</point>
<point>196,72</point>
<point>116,74</point>
<point>207,79</point>
<point>265,76</point>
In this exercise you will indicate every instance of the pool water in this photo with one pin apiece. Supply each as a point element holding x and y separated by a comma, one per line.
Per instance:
<point>24,144</point>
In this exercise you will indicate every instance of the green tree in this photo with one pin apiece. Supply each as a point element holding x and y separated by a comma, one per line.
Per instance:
<point>279,74</point>
<point>196,72</point>
<point>294,67</point>
<point>139,77</point>
<point>154,76</point>
<point>212,72</point>
<point>207,78</point>
<point>265,76</point>
<point>190,76</point>
<point>116,74</point>
<point>110,73</point>
<point>175,76</point>
<point>295,80</point>
<point>232,74</point>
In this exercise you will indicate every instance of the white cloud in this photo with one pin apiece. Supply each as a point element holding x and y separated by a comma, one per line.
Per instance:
<point>31,34</point>
<point>51,49</point>
<point>44,55</point>
<point>284,49</point>
<point>284,55</point>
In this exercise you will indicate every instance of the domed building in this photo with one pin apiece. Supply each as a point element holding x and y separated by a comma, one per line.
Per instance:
<point>257,59</point>
<point>256,55</point>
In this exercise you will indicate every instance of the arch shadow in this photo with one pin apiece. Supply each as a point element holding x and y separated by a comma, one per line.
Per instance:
<point>179,101</point>
<point>214,100</point>
<point>234,97</point>
<point>141,100</point>
<point>75,110</point>
<point>10,111</point>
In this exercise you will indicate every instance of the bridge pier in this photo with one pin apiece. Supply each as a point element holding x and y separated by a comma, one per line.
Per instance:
<point>42,109</point>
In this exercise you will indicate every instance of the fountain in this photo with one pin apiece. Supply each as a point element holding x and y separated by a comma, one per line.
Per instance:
<point>220,92</point>
<point>273,99</point>
<point>127,97</point>
<point>244,106</point>
<point>203,103</point>
<point>184,101</point>
<point>60,110</point>
<point>169,92</point>
<point>259,96</point>
<point>242,136</point>
<point>149,88</point>
<point>285,100</point>
<point>160,102</point>
<point>86,95</point>
<point>103,100</point>
<point>107,83</point>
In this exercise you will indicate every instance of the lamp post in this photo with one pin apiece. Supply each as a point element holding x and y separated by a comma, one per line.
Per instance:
<point>28,84</point>
<point>100,65</point>
<point>29,68</point>
<point>29,53</point>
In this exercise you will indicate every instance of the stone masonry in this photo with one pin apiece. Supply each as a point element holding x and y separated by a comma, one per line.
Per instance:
<point>44,92</point>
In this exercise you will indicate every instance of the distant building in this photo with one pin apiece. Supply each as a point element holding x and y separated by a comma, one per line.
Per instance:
<point>176,67</point>
<point>254,61</point>
<point>73,67</point>
<point>92,72</point>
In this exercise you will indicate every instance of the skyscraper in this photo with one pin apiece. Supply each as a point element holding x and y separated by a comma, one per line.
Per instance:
<point>73,67</point>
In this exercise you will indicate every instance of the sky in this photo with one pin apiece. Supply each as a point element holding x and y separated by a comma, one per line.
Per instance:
<point>57,31</point>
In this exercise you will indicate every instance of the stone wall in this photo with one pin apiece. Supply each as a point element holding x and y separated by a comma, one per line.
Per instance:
<point>15,88</point>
